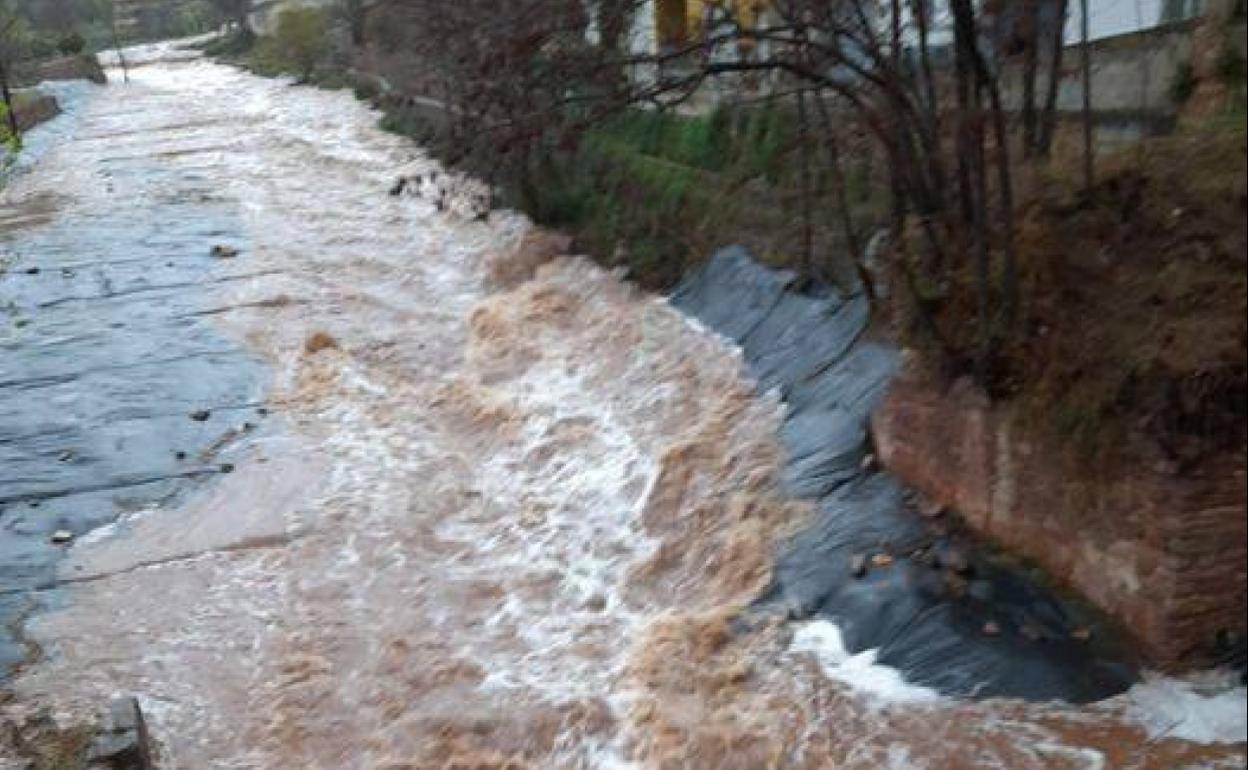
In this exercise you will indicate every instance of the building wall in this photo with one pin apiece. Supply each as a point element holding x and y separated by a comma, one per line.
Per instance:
<point>1131,74</point>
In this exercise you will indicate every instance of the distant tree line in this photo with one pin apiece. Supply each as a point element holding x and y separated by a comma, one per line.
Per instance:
<point>45,28</point>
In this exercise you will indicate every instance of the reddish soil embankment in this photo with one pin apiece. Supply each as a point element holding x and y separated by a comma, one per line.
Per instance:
<point>33,108</point>
<point>1117,460</point>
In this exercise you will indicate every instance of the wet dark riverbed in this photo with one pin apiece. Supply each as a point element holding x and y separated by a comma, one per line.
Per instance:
<point>107,348</point>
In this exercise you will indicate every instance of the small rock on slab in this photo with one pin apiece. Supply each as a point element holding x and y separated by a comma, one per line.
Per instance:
<point>318,341</point>
<point>992,628</point>
<point>858,565</point>
<point>200,415</point>
<point>931,509</point>
<point>881,560</point>
<point>954,559</point>
<point>221,251</point>
<point>61,536</point>
<point>123,742</point>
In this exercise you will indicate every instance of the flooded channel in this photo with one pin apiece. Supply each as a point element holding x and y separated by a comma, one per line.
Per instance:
<point>377,507</point>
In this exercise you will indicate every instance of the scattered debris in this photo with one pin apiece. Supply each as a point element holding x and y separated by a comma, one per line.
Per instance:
<point>61,536</point>
<point>954,559</point>
<point>881,560</point>
<point>200,415</point>
<point>227,467</point>
<point>65,455</point>
<point>318,341</point>
<point>930,509</point>
<point>1081,634</point>
<point>221,251</point>
<point>32,271</point>
<point>179,455</point>
<point>991,628</point>
<point>956,585</point>
<point>980,590</point>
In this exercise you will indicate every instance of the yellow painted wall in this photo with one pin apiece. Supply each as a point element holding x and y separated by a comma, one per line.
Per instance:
<point>746,12</point>
<point>668,24</point>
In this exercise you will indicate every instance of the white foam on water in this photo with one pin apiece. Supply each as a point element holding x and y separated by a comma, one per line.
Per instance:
<point>588,534</point>
<point>860,671</point>
<point>1205,708</point>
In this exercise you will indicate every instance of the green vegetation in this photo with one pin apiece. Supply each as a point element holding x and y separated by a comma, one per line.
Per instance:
<point>50,28</point>
<point>1230,65</point>
<point>1182,82</point>
<point>22,101</point>
<point>298,46</point>
<point>70,44</point>
<point>655,191</point>
<point>299,43</point>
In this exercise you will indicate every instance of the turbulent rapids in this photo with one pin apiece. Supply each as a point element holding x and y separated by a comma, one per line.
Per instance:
<point>490,507</point>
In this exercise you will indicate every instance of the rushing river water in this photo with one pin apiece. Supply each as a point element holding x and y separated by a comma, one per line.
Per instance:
<point>474,526</point>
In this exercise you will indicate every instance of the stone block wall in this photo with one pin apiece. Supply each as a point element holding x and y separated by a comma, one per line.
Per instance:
<point>1166,556</point>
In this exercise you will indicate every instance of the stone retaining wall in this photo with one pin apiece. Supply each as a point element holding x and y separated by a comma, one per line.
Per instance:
<point>1165,555</point>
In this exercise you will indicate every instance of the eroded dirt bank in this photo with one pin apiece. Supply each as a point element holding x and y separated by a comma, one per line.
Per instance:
<point>492,526</point>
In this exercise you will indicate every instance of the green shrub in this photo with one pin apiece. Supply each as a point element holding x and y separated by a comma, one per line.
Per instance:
<point>41,46</point>
<point>70,44</point>
<point>365,89</point>
<point>300,41</point>
<point>1182,83</point>
<point>1230,66</point>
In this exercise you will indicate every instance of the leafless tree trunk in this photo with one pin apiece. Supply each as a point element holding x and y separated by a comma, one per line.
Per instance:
<point>840,192</point>
<point>121,56</point>
<point>803,159</point>
<point>1049,121</point>
<point>1086,56</point>
<point>1031,64</point>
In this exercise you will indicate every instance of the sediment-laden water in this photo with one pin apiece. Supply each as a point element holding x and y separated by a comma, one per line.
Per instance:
<point>485,524</point>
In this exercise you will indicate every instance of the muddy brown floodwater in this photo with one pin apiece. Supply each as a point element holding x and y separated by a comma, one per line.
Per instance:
<point>486,526</point>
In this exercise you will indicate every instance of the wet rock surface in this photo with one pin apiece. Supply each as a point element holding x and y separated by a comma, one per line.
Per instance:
<point>122,742</point>
<point>104,350</point>
<point>1007,636</point>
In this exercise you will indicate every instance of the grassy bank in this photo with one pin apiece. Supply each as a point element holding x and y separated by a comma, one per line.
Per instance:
<point>656,192</point>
